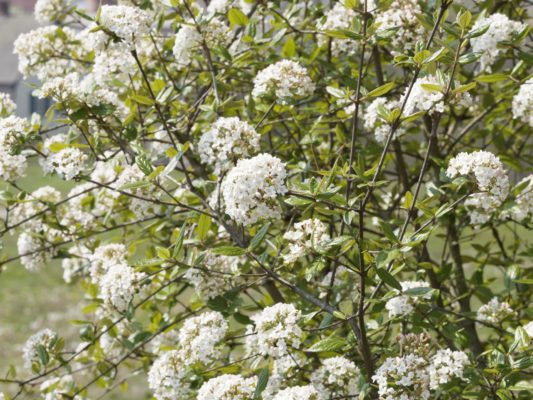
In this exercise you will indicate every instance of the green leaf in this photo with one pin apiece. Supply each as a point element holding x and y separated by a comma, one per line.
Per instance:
<point>204,224</point>
<point>418,292</point>
<point>469,58</point>
<point>259,236</point>
<point>436,55</point>
<point>388,278</point>
<point>477,32</point>
<point>229,251</point>
<point>289,48</point>
<point>262,380</point>
<point>523,363</point>
<point>44,357</point>
<point>421,56</point>
<point>237,18</point>
<point>463,18</point>
<point>383,89</point>
<point>387,230</point>
<point>144,100</point>
<point>408,200</point>
<point>429,87</point>
<point>329,344</point>
<point>491,78</point>
<point>465,88</point>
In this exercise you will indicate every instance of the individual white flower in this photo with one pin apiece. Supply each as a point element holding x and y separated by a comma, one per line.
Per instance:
<point>400,18</point>
<point>275,330</point>
<point>336,377</point>
<point>403,378</point>
<point>494,311</point>
<point>403,304</point>
<point>215,276</point>
<point>228,387</point>
<point>229,140</point>
<point>166,377</point>
<point>446,365</point>
<point>251,188</point>
<point>425,97</point>
<point>297,393</point>
<point>306,236</point>
<point>7,106</point>
<point>523,103</point>
<point>500,28</point>
<point>199,337</point>
<point>339,17</point>
<point>118,286</point>
<point>104,257</point>
<point>128,23</point>
<point>77,264</point>
<point>285,79</point>
<point>45,338</point>
<point>34,252</point>
<point>68,162</point>
<point>38,52</point>
<point>50,11</point>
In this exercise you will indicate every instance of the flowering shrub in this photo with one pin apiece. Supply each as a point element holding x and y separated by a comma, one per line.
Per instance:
<point>279,200</point>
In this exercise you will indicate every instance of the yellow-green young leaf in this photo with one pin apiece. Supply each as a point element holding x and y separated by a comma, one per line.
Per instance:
<point>437,55</point>
<point>491,78</point>
<point>463,18</point>
<point>421,56</point>
<point>408,200</point>
<point>414,117</point>
<point>431,87</point>
<point>204,224</point>
<point>229,251</point>
<point>383,89</point>
<point>289,48</point>
<point>237,18</point>
<point>327,345</point>
<point>147,101</point>
<point>465,88</point>
<point>162,252</point>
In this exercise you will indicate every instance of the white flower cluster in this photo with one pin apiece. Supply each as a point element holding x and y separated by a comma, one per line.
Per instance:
<point>425,97</point>
<point>283,370</point>
<point>285,79</point>
<point>39,51</point>
<point>77,264</point>
<point>197,342</point>
<point>373,122</point>
<point>128,23</point>
<point>338,18</point>
<point>445,365</point>
<point>494,311</point>
<point>529,329</point>
<point>166,377</point>
<point>45,338</point>
<point>200,336</point>
<point>216,275</point>
<point>491,179</point>
<point>251,188</point>
<point>119,285</point>
<point>132,174</point>
<point>223,6</point>
<point>50,11</point>
<point>58,388</point>
<point>297,393</point>
<point>12,166</point>
<point>7,106</point>
<point>336,377</point>
<point>229,140</point>
<point>500,28</point>
<point>228,387</point>
<point>523,103</point>
<point>275,329</point>
<point>523,207</point>
<point>37,202</point>
<point>400,17</point>
<point>35,253</point>
<point>402,305</point>
<point>68,162</point>
<point>104,257</point>
<point>214,32</point>
<point>413,376</point>
<point>304,237</point>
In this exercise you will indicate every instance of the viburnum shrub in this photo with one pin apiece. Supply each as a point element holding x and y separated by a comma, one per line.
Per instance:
<point>279,200</point>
